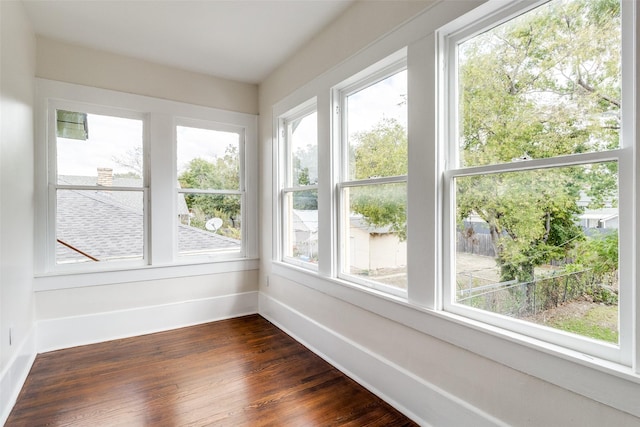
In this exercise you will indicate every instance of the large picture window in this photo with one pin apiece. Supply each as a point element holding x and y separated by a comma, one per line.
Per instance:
<point>534,189</point>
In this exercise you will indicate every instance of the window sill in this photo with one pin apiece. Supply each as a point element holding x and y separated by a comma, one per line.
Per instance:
<point>77,279</point>
<point>606,382</point>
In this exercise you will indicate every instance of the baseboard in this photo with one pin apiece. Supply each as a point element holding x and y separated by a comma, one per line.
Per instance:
<point>15,374</point>
<point>424,403</point>
<point>55,334</point>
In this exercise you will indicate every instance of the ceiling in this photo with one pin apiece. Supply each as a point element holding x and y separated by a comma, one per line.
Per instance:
<point>242,40</point>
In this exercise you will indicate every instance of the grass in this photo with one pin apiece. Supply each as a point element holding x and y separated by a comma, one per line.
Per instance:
<point>599,322</point>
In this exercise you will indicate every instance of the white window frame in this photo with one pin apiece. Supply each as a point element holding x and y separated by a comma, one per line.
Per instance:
<point>419,39</point>
<point>285,167</point>
<point>161,260</point>
<point>53,185</point>
<point>240,131</point>
<point>449,38</point>
<point>382,70</point>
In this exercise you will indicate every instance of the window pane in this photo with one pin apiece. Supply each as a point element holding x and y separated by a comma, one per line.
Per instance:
<point>375,233</point>
<point>301,228</point>
<point>304,150</point>
<point>209,223</point>
<point>208,159</point>
<point>542,246</point>
<point>99,226</point>
<point>98,150</point>
<point>544,84</point>
<point>376,120</point>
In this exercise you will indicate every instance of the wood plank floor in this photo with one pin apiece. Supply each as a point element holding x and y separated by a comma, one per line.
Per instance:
<point>238,372</point>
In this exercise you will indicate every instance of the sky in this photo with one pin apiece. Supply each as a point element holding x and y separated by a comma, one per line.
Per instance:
<point>113,138</point>
<point>117,138</point>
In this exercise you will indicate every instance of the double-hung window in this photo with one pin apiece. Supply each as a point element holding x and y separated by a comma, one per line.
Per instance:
<point>97,186</point>
<point>538,177</point>
<point>210,193</point>
<point>372,183</point>
<point>128,182</point>
<point>299,197</point>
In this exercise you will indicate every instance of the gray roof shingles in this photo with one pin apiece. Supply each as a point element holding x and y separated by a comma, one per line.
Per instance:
<point>109,225</point>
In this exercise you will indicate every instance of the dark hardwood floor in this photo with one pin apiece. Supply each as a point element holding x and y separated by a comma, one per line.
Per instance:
<point>236,372</point>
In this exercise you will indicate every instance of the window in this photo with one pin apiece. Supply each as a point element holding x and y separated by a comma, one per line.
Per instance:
<point>538,174</point>
<point>210,190</point>
<point>125,182</point>
<point>299,197</point>
<point>373,180</point>
<point>98,188</point>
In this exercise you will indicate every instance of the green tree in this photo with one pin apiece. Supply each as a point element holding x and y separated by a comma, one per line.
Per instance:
<point>221,174</point>
<point>381,152</point>
<point>543,85</point>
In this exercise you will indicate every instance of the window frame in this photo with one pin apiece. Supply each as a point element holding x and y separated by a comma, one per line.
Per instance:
<point>367,78</point>
<point>53,185</point>
<point>241,132</point>
<point>287,188</point>
<point>160,185</point>
<point>449,37</point>
<point>609,383</point>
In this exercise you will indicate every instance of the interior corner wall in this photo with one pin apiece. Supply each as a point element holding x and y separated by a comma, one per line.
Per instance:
<point>435,382</point>
<point>17,69</point>
<point>101,311</point>
<point>90,67</point>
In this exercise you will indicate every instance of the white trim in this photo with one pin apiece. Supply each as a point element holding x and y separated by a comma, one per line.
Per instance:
<point>55,334</point>
<point>92,278</point>
<point>15,374</point>
<point>425,403</point>
<point>160,116</point>
<point>603,381</point>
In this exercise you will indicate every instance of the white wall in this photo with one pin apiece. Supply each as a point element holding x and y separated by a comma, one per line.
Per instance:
<point>89,67</point>
<point>82,308</point>
<point>17,59</point>
<point>430,379</point>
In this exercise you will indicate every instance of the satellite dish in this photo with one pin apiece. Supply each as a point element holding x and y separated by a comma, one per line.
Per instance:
<point>213,224</point>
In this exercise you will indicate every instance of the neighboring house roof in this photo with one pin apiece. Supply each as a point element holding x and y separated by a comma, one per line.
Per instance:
<point>604,214</point>
<point>307,220</point>
<point>107,225</point>
<point>126,198</point>
<point>358,221</point>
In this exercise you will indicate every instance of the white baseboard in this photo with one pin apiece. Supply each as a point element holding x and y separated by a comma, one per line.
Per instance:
<point>421,401</point>
<point>55,334</point>
<point>15,374</point>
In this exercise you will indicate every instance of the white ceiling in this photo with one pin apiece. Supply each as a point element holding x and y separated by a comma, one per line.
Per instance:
<point>242,40</point>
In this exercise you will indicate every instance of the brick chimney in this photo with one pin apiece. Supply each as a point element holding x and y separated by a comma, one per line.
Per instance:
<point>105,177</point>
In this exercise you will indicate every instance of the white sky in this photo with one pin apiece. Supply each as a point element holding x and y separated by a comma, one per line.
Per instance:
<point>111,137</point>
<point>108,137</point>
<point>115,137</point>
<point>203,143</point>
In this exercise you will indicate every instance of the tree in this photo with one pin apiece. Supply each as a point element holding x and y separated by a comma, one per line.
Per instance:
<point>132,160</point>
<point>381,152</point>
<point>545,84</point>
<point>305,170</point>
<point>221,174</point>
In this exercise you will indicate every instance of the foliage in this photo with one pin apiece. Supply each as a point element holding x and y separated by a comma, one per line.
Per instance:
<point>599,253</point>
<point>305,173</point>
<point>381,152</point>
<point>543,85</point>
<point>221,174</point>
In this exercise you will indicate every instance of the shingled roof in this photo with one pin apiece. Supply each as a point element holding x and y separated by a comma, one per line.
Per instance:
<point>110,225</point>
